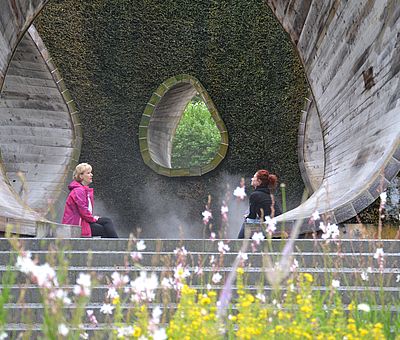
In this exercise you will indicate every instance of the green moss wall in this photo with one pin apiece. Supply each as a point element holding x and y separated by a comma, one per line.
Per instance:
<point>114,53</point>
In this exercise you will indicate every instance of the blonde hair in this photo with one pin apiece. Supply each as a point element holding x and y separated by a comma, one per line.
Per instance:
<point>80,169</point>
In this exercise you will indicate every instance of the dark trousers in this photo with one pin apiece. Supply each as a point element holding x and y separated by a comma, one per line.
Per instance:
<point>241,232</point>
<point>104,227</point>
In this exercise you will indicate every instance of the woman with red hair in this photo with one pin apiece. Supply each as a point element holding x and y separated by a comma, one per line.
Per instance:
<point>262,202</point>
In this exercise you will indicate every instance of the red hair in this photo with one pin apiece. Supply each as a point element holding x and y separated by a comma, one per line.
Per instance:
<point>267,179</point>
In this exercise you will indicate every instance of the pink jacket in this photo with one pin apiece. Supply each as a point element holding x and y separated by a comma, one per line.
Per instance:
<point>76,210</point>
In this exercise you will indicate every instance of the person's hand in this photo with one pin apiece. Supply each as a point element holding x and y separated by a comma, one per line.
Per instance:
<point>96,218</point>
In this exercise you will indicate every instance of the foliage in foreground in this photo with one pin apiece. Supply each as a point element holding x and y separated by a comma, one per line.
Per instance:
<point>138,304</point>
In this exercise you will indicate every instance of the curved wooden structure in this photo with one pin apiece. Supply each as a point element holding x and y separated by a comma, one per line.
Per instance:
<point>349,138</point>
<point>40,134</point>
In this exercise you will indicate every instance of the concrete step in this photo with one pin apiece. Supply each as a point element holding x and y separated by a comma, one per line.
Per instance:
<point>33,312</point>
<point>255,275</point>
<point>112,245</point>
<point>32,294</point>
<point>34,331</point>
<point>121,258</point>
<point>344,260</point>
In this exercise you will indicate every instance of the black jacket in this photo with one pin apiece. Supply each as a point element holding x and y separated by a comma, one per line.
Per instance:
<point>261,199</point>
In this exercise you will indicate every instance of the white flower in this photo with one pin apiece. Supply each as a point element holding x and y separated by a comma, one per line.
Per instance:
<point>294,266</point>
<point>63,296</point>
<point>119,280</point>
<point>315,215</point>
<point>156,314</point>
<point>180,251</point>
<point>140,245</point>
<point>84,280</point>
<point>198,270</point>
<point>84,335</point>
<point>212,236</point>
<point>207,215</point>
<point>45,275</point>
<point>240,192</point>
<point>82,287</point>
<point>383,197</point>
<point>329,231</point>
<point>369,270</point>
<point>364,307</point>
<point>379,253</point>
<point>243,256</point>
<point>159,334</point>
<point>62,329</point>
<point>107,309</point>
<point>271,224</point>
<point>166,283</point>
<point>136,256</point>
<point>180,272</point>
<point>258,237</point>
<point>364,276</point>
<point>398,278</point>
<point>92,317</point>
<point>222,247</point>
<point>143,287</point>
<point>335,283</point>
<point>216,278</point>
<point>112,293</point>
<point>212,259</point>
<point>3,335</point>
<point>123,332</point>
<point>24,263</point>
<point>224,209</point>
<point>260,297</point>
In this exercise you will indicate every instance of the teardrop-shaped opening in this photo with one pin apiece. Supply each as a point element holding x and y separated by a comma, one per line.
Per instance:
<point>160,122</point>
<point>197,138</point>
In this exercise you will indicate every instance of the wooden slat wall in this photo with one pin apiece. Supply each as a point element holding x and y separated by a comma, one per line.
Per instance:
<point>15,18</point>
<point>164,121</point>
<point>337,42</point>
<point>36,143</point>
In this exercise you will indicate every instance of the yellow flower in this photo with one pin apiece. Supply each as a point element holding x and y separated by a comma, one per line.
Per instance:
<point>116,300</point>
<point>279,329</point>
<point>352,327</point>
<point>363,332</point>
<point>306,309</point>
<point>240,270</point>
<point>205,300</point>
<point>233,318</point>
<point>137,331</point>
<point>250,298</point>
<point>308,277</point>
<point>211,293</point>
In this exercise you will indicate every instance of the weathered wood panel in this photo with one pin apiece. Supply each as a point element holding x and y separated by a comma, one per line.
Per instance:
<point>38,141</point>
<point>360,123</point>
<point>164,121</point>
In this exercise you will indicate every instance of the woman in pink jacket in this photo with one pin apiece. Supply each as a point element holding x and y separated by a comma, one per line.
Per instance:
<point>79,206</point>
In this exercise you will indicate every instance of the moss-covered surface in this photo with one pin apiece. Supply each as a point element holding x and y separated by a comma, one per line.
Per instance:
<point>114,53</point>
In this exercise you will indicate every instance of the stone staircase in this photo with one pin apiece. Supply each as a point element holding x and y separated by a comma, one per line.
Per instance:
<point>344,260</point>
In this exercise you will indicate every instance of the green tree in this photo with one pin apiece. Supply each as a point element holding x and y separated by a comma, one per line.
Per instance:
<point>197,137</point>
